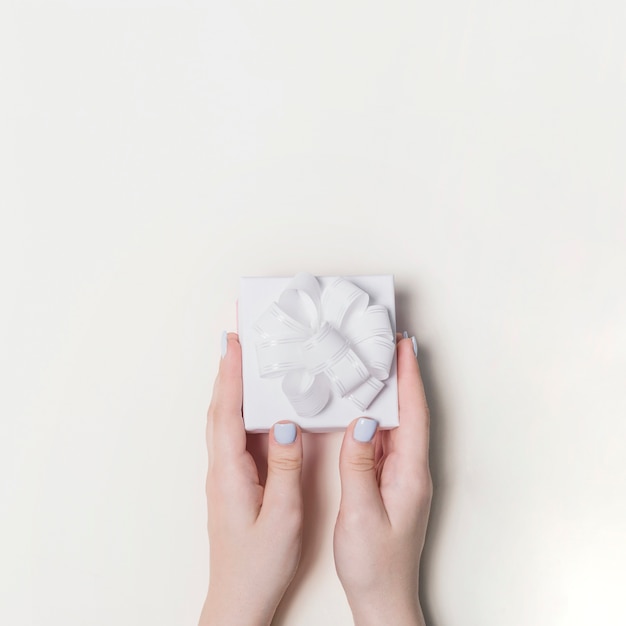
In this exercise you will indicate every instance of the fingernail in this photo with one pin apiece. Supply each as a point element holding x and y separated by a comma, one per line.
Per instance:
<point>414,345</point>
<point>405,335</point>
<point>224,343</point>
<point>285,433</point>
<point>364,429</point>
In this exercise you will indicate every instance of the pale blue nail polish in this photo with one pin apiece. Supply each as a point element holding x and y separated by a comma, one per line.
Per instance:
<point>285,433</point>
<point>224,343</point>
<point>405,335</point>
<point>414,345</point>
<point>364,429</point>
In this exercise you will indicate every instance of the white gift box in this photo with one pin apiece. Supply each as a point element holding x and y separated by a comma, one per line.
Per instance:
<point>318,351</point>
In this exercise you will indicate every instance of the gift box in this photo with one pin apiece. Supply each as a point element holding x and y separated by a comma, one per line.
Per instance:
<point>318,350</point>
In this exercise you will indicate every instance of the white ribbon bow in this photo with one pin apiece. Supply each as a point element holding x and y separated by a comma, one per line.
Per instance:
<point>317,340</point>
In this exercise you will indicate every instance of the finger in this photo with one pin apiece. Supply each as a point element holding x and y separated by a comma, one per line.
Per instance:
<point>379,449</point>
<point>283,489</point>
<point>357,468</point>
<point>226,435</point>
<point>411,439</point>
<point>256,445</point>
<point>383,448</point>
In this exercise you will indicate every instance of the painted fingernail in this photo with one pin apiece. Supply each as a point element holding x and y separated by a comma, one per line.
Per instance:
<point>414,345</point>
<point>364,429</point>
<point>224,343</point>
<point>405,335</point>
<point>285,433</point>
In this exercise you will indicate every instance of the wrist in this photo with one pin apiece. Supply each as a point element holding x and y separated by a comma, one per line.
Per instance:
<point>385,609</point>
<point>228,609</point>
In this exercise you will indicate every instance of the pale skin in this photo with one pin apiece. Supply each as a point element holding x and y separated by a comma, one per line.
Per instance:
<point>255,529</point>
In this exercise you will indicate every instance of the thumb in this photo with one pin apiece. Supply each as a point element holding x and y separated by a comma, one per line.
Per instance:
<point>283,491</point>
<point>357,467</point>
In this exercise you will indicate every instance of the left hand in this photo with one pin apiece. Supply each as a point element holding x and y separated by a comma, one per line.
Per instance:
<point>255,531</point>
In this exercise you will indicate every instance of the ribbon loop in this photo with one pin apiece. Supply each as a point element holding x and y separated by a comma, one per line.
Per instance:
<point>302,300</point>
<point>341,298</point>
<point>276,323</point>
<point>317,340</point>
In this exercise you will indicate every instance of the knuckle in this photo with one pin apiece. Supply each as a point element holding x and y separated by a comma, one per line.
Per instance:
<point>429,487</point>
<point>416,487</point>
<point>423,487</point>
<point>286,463</point>
<point>219,480</point>
<point>214,486</point>
<point>212,414</point>
<point>214,408</point>
<point>359,463</point>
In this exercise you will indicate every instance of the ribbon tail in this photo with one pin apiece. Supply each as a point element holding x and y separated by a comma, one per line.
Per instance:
<point>364,395</point>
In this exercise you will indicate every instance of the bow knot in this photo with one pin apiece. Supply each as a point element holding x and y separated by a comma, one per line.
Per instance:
<point>319,341</point>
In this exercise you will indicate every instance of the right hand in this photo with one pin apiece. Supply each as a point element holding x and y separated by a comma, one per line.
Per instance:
<point>386,490</point>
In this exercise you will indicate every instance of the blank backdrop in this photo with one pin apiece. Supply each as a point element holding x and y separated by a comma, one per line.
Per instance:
<point>154,152</point>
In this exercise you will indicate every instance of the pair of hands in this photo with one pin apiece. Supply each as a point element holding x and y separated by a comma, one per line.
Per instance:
<point>255,530</point>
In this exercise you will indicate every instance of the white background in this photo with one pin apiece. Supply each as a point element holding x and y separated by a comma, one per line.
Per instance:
<point>151,155</point>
